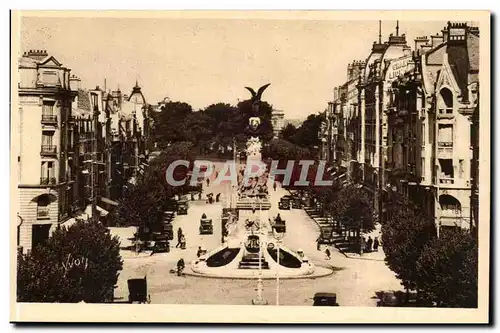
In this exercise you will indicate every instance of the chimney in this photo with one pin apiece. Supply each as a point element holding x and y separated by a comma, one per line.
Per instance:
<point>419,41</point>
<point>75,83</point>
<point>436,40</point>
<point>335,93</point>
<point>445,33</point>
<point>349,71</point>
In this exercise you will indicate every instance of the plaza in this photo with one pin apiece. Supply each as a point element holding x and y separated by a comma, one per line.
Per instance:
<point>354,280</point>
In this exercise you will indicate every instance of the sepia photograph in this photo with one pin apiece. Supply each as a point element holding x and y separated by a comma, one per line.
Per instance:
<point>171,166</point>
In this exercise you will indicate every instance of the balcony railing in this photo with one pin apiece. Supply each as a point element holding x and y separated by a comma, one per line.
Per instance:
<point>49,119</point>
<point>48,150</point>
<point>447,181</point>
<point>48,181</point>
<point>43,213</point>
<point>445,113</point>
<point>445,144</point>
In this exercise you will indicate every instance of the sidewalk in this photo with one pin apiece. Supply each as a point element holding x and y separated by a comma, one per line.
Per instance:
<point>340,243</point>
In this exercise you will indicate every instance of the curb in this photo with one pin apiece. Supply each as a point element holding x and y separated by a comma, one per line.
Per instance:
<point>226,277</point>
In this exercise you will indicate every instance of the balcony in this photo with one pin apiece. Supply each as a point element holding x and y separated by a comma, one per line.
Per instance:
<point>43,213</point>
<point>446,181</point>
<point>48,181</point>
<point>49,120</point>
<point>49,150</point>
<point>445,150</point>
<point>446,113</point>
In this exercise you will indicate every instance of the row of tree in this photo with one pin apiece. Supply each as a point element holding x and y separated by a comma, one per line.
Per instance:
<point>443,270</point>
<point>145,201</point>
<point>213,129</point>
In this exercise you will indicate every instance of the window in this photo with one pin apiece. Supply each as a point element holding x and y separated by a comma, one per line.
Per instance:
<point>47,138</point>
<point>47,170</point>
<point>48,108</point>
<point>445,135</point>
<point>422,167</point>
<point>447,98</point>
<point>461,169</point>
<point>446,168</point>
<point>43,203</point>
<point>423,133</point>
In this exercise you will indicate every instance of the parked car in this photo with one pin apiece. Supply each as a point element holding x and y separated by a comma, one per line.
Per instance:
<point>296,203</point>
<point>182,207</point>
<point>284,203</point>
<point>326,235</point>
<point>325,299</point>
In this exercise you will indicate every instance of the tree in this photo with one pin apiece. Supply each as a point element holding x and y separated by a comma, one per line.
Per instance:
<point>353,208</point>
<point>404,235</point>
<point>170,123</point>
<point>288,132</point>
<point>307,133</point>
<point>448,270</point>
<point>79,263</point>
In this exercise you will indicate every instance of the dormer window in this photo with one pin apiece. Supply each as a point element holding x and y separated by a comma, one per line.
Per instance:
<point>446,102</point>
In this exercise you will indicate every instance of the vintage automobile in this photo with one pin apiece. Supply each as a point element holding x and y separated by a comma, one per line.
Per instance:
<point>325,299</point>
<point>279,226</point>
<point>206,227</point>
<point>161,243</point>
<point>167,229</point>
<point>138,291</point>
<point>326,236</point>
<point>182,207</point>
<point>168,216</point>
<point>296,203</point>
<point>284,203</point>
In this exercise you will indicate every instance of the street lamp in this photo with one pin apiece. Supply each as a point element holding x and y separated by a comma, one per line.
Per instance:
<point>259,300</point>
<point>278,236</point>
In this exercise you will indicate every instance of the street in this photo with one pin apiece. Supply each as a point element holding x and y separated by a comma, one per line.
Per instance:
<point>355,281</point>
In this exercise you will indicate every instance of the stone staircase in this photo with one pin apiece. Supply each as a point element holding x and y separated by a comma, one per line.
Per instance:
<point>251,261</point>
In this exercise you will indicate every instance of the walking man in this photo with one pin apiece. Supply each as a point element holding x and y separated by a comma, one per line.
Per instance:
<point>328,254</point>
<point>369,244</point>
<point>376,243</point>
<point>179,237</point>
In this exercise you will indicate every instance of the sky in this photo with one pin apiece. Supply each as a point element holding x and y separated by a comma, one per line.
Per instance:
<point>205,61</point>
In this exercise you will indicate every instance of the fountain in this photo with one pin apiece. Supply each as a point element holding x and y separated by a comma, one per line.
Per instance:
<point>251,247</point>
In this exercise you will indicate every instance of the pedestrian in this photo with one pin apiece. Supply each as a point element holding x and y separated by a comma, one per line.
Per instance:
<point>318,243</point>
<point>199,252</point>
<point>183,242</point>
<point>208,182</point>
<point>179,237</point>
<point>328,254</point>
<point>217,197</point>
<point>180,266</point>
<point>274,186</point>
<point>369,244</point>
<point>375,244</point>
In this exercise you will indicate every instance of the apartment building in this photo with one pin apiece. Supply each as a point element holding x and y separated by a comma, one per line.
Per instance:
<point>46,177</point>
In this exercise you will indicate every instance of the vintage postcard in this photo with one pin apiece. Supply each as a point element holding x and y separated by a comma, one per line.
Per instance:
<point>248,167</point>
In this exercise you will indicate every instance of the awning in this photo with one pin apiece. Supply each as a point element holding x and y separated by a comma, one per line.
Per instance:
<point>109,201</point>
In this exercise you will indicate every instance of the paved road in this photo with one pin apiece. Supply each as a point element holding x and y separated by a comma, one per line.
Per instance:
<point>355,281</point>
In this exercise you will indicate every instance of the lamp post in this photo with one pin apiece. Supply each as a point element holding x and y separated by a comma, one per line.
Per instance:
<point>259,300</point>
<point>278,236</point>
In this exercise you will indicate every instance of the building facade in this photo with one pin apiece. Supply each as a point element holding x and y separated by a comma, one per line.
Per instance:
<point>408,122</point>
<point>278,121</point>
<point>46,177</point>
